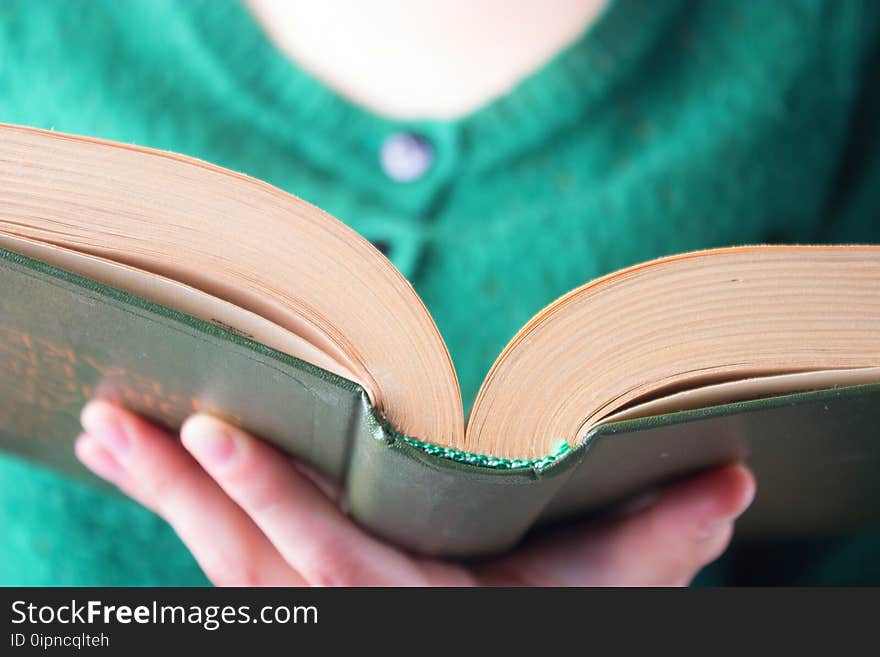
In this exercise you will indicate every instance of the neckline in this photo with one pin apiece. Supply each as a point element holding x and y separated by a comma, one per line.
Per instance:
<point>271,92</point>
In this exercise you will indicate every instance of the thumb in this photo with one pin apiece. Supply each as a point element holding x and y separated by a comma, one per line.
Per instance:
<point>688,526</point>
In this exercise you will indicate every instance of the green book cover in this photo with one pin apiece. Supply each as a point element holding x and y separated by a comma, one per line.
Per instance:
<point>65,338</point>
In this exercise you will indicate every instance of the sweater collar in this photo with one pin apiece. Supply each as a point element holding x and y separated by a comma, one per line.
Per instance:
<point>288,104</point>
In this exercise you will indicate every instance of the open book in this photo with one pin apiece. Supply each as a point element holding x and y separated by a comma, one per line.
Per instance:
<point>171,285</point>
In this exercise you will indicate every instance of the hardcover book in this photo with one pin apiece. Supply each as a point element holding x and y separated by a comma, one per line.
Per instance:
<point>172,286</point>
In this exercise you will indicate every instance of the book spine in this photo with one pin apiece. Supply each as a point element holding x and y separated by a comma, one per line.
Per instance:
<point>440,507</point>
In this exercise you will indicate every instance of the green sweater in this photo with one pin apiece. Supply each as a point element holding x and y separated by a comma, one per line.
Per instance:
<point>667,127</point>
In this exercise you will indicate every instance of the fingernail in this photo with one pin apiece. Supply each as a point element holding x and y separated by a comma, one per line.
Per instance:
<point>714,528</point>
<point>98,460</point>
<point>748,497</point>
<point>747,493</point>
<point>99,420</point>
<point>208,440</point>
<point>724,523</point>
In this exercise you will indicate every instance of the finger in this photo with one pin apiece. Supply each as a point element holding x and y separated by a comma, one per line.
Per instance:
<point>309,530</point>
<point>666,544</point>
<point>151,466</point>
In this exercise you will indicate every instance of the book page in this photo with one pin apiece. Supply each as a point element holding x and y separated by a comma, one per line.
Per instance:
<point>177,296</point>
<point>746,390</point>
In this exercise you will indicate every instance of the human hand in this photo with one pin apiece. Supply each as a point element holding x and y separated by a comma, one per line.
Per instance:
<point>252,516</point>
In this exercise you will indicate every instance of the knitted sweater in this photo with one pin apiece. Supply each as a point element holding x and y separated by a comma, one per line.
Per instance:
<point>668,126</point>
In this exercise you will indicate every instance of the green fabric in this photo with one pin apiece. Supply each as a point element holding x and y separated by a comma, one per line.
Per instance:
<point>668,126</point>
